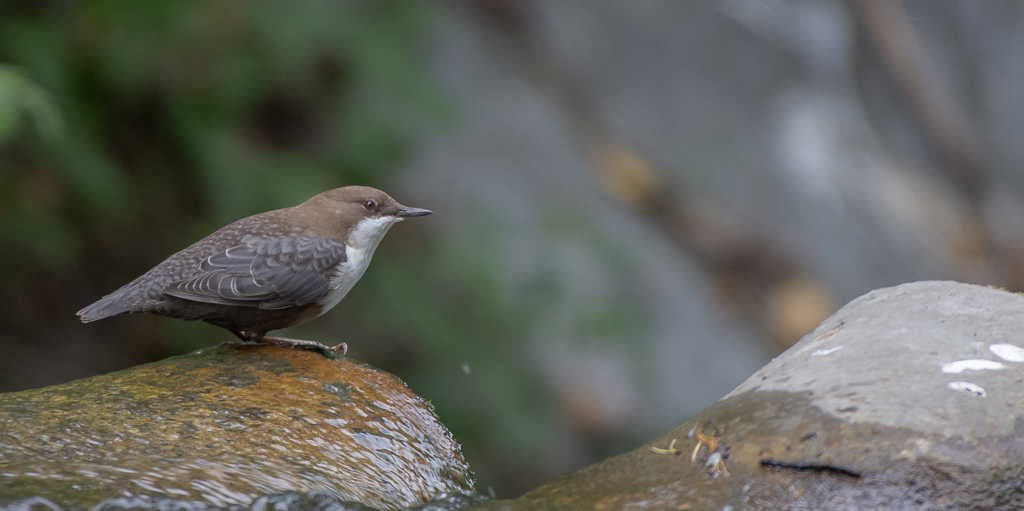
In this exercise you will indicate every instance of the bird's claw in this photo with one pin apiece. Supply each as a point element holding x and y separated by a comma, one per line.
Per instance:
<point>340,348</point>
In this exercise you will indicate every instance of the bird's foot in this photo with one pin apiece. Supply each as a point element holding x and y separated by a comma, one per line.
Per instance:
<point>304,344</point>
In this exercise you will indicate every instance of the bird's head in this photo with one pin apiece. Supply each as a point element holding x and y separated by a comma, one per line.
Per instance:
<point>360,215</point>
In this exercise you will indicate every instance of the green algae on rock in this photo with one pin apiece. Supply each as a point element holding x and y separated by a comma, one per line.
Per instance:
<point>225,425</point>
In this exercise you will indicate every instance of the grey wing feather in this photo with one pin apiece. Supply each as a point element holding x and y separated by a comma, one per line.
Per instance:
<point>271,273</point>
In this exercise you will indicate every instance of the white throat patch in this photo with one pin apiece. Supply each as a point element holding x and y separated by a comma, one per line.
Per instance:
<point>369,232</point>
<point>361,243</point>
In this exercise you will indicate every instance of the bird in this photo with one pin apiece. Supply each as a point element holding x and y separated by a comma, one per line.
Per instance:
<point>267,271</point>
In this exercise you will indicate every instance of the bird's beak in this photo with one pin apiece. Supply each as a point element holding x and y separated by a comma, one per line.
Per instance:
<point>406,211</point>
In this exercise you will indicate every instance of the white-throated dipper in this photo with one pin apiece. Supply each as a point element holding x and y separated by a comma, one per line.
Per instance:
<point>267,271</point>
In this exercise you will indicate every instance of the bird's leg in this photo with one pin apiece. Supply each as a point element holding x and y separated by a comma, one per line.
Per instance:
<point>246,336</point>
<point>292,343</point>
<point>304,344</point>
<point>252,337</point>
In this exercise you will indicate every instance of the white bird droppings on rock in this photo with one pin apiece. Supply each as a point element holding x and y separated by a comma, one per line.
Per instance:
<point>967,388</point>
<point>1008,352</point>
<point>974,364</point>
<point>818,353</point>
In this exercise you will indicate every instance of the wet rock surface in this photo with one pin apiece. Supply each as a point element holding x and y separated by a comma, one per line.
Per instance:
<point>909,397</point>
<point>223,426</point>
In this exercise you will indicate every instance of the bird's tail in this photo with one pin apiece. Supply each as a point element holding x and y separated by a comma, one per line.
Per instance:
<point>101,309</point>
<point>118,302</point>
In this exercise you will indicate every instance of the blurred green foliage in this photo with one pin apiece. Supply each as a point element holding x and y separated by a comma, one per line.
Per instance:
<point>229,108</point>
<point>21,97</point>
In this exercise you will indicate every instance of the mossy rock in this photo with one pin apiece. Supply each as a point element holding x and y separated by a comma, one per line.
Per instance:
<point>225,425</point>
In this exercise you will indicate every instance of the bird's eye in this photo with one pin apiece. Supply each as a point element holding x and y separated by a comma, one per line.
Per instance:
<point>369,205</point>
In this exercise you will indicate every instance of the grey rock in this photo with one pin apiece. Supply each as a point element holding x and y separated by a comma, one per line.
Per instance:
<point>937,357</point>
<point>909,397</point>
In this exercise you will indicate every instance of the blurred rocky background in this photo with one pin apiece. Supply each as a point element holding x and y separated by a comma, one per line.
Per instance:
<point>637,203</point>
